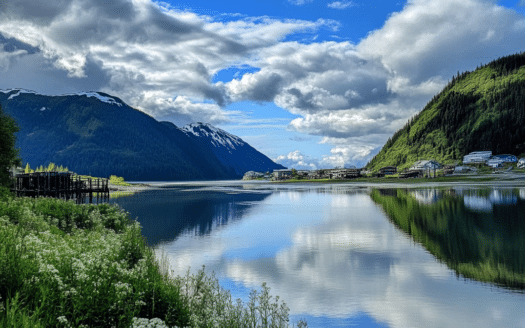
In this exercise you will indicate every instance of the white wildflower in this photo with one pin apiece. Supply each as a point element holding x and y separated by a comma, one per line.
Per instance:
<point>145,323</point>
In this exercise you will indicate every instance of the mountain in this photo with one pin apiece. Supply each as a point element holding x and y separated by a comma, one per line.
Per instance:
<point>98,134</point>
<point>479,110</point>
<point>231,151</point>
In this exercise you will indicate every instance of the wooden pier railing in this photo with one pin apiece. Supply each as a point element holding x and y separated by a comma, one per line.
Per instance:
<point>63,185</point>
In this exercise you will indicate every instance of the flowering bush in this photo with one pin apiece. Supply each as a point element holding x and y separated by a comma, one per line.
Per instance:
<point>68,265</point>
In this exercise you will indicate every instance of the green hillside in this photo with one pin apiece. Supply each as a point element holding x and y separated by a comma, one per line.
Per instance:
<point>480,110</point>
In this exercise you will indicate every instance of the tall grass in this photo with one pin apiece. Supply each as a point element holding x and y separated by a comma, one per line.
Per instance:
<point>68,265</point>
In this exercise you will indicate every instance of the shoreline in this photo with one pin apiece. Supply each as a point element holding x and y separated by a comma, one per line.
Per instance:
<point>488,179</point>
<point>467,180</point>
<point>120,191</point>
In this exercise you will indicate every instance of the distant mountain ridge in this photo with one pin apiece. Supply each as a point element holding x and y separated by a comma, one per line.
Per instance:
<point>479,110</point>
<point>98,134</point>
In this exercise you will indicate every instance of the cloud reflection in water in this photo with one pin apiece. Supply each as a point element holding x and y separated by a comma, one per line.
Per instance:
<point>336,255</point>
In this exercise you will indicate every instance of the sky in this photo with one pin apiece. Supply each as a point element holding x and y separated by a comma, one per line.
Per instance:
<point>309,83</point>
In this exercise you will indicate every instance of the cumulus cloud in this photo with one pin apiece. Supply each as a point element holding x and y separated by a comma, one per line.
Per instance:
<point>162,60</point>
<point>139,48</point>
<point>345,90</point>
<point>297,160</point>
<point>181,110</point>
<point>368,120</point>
<point>429,39</point>
<point>299,2</point>
<point>341,4</point>
<point>347,152</point>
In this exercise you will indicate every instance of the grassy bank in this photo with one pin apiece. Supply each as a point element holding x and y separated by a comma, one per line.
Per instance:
<point>68,265</point>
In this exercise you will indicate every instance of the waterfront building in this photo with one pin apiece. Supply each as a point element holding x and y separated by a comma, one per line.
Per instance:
<point>426,165</point>
<point>477,157</point>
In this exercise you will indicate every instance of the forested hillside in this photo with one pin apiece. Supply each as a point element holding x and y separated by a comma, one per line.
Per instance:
<point>98,134</point>
<point>480,110</point>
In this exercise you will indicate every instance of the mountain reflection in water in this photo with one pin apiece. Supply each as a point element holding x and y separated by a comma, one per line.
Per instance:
<point>166,213</point>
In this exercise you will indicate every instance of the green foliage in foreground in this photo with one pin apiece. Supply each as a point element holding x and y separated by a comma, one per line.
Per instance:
<point>487,247</point>
<point>68,265</point>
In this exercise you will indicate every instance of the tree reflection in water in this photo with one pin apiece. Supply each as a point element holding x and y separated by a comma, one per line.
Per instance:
<point>479,233</point>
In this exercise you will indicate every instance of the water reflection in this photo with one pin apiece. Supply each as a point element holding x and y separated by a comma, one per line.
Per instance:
<point>167,213</point>
<point>479,233</point>
<point>333,255</point>
<point>426,196</point>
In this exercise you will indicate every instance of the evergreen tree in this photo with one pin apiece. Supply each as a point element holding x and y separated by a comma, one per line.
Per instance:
<point>8,152</point>
<point>27,169</point>
<point>51,167</point>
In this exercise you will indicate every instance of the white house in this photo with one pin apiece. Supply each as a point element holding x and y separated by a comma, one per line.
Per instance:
<point>250,175</point>
<point>495,162</point>
<point>282,174</point>
<point>477,157</point>
<point>426,165</point>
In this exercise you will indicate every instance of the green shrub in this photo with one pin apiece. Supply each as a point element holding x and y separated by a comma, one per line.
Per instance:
<point>118,181</point>
<point>89,266</point>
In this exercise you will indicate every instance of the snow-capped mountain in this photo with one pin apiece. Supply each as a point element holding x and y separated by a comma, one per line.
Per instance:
<point>98,134</point>
<point>231,150</point>
<point>218,137</point>
<point>99,95</point>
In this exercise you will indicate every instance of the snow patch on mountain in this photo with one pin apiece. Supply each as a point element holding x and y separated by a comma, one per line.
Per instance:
<point>100,97</point>
<point>18,92</point>
<point>217,136</point>
<point>97,95</point>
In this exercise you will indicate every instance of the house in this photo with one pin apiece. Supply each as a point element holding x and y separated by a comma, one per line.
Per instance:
<point>477,157</point>
<point>495,162</point>
<point>448,169</point>
<point>426,165</point>
<point>411,174</point>
<point>282,174</point>
<point>344,173</point>
<point>521,163</point>
<point>313,175</point>
<point>464,169</point>
<point>506,158</point>
<point>388,170</point>
<point>250,175</point>
<point>303,173</point>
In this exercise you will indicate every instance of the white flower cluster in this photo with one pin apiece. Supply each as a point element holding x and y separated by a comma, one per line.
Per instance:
<point>73,263</point>
<point>146,323</point>
<point>64,322</point>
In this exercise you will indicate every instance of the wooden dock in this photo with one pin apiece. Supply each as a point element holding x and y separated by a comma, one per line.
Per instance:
<point>62,185</point>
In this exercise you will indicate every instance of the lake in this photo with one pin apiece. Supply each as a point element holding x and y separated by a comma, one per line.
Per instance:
<point>345,255</point>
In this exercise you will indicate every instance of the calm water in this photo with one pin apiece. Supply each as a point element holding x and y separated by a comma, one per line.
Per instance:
<point>346,256</point>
